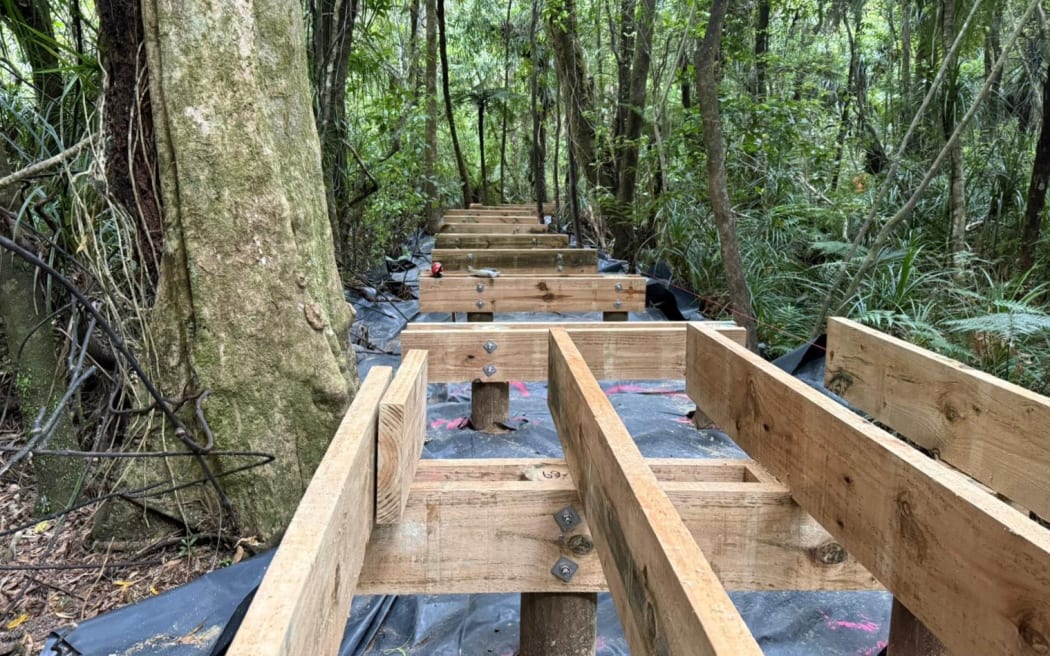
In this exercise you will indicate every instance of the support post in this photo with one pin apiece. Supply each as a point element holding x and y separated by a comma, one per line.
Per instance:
<point>489,402</point>
<point>558,623</point>
<point>910,637</point>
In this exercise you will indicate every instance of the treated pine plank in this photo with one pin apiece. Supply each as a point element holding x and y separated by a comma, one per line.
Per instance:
<point>549,240</point>
<point>471,526</point>
<point>494,228</point>
<point>991,429</point>
<point>532,293</point>
<point>620,351</point>
<point>667,595</point>
<point>725,327</point>
<point>301,605</point>
<point>669,470</point>
<point>975,571</point>
<point>402,431</point>
<point>519,261</point>
<point>492,218</point>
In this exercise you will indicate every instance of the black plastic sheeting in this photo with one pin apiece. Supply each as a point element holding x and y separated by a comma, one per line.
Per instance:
<point>192,620</point>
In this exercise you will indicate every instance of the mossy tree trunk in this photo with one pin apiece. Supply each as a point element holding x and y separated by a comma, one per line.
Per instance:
<point>249,305</point>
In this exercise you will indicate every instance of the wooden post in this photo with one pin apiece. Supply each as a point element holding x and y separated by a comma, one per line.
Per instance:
<point>910,637</point>
<point>489,402</point>
<point>558,623</point>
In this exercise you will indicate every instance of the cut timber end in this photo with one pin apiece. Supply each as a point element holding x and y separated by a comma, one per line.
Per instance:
<point>973,570</point>
<point>402,431</point>
<point>993,430</point>
<point>560,624</point>
<point>302,603</point>
<point>667,595</point>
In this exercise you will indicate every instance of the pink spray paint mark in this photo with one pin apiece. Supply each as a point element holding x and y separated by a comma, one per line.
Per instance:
<point>873,651</point>
<point>451,424</point>
<point>867,626</point>
<point>520,386</point>
<point>624,389</point>
<point>684,420</point>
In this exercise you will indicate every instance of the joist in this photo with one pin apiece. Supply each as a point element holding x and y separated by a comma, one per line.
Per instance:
<point>494,211</point>
<point>519,261</point>
<point>506,352</point>
<point>549,240</point>
<point>548,208</point>
<point>494,228</point>
<point>487,526</point>
<point>667,595</point>
<point>991,429</point>
<point>505,219</point>
<point>301,605</point>
<point>975,571</point>
<point>402,431</point>
<point>532,293</point>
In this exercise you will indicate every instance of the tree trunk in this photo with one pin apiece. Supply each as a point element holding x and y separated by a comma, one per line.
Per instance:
<point>957,193</point>
<point>1036,201</point>
<point>506,105</point>
<point>331,36</point>
<point>714,141</point>
<point>250,306</point>
<point>132,156</point>
<point>622,224</point>
<point>433,204</point>
<point>758,89</point>
<point>537,159</point>
<point>461,164</point>
<point>484,196</point>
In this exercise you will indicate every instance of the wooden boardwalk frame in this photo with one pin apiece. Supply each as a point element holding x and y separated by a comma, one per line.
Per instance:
<point>532,293</point>
<point>830,501</point>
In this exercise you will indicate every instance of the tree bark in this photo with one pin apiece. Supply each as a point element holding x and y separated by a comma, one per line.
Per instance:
<point>250,307</point>
<point>461,164</point>
<point>1036,200</point>
<point>433,205</point>
<point>506,105</point>
<point>957,193</point>
<point>132,156</point>
<point>484,195</point>
<point>758,89</point>
<point>714,141</point>
<point>331,37</point>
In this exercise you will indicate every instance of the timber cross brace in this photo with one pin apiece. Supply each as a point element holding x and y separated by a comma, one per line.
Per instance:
<point>830,501</point>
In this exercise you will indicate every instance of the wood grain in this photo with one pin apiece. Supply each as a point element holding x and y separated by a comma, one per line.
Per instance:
<point>475,526</point>
<point>667,595</point>
<point>517,261</point>
<point>991,429</point>
<point>620,351</point>
<point>548,240</point>
<point>301,605</point>
<point>489,217</point>
<point>530,293</point>
<point>494,228</point>
<point>972,569</point>
<point>402,431</point>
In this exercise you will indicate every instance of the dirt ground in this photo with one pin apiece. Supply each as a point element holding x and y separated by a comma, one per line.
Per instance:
<point>51,576</point>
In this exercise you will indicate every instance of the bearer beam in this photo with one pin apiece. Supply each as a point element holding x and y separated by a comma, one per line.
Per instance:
<point>532,293</point>
<point>402,431</point>
<point>519,261</point>
<point>505,352</point>
<point>991,429</point>
<point>549,240</point>
<point>493,228</point>
<point>487,525</point>
<point>301,605</point>
<point>972,569</point>
<point>667,595</point>
<point>512,219</point>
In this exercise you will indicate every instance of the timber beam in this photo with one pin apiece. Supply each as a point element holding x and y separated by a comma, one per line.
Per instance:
<point>510,219</point>
<point>494,228</point>
<point>519,261</point>
<point>532,293</point>
<point>549,240</point>
<point>487,525</point>
<point>503,352</point>
<point>986,427</point>
<point>402,431</point>
<point>975,571</point>
<point>667,594</point>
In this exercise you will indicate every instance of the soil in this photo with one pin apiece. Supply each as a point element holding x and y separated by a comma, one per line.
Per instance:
<point>52,577</point>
